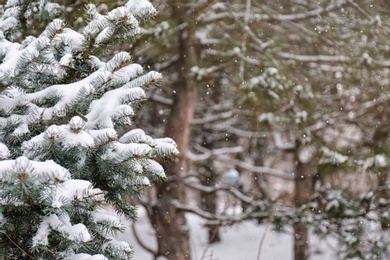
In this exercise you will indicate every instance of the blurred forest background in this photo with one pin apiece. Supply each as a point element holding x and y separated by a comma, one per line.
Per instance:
<point>281,113</point>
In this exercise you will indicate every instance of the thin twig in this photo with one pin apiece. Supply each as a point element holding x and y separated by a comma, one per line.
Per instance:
<point>13,242</point>
<point>215,231</point>
<point>262,241</point>
<point>205,251</point>
<point>142,244</point>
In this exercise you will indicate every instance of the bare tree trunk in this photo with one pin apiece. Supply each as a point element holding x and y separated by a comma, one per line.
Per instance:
<point>304,188</point>
<point>383,181</point>
<point>209,200</point>
<point>301,246</point>
<point>170,223</point>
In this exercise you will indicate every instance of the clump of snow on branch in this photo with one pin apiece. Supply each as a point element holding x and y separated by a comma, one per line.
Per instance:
<point>31,173</point>
<point>332,157</point>
<point>166,146</point>
<point>141,8</point>
<point>378,161</point>
<point>63,225</point>
<point>269,81</point>
<point>75,190</point>
<point>4,152</point>
<point>85,257</point>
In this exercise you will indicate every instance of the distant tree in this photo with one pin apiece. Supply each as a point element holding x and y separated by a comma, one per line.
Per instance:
<point>304,79</point>
<point>62,108</point>
<point>312,74</point>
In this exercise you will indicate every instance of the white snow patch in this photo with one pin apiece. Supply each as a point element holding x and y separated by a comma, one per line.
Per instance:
<point>306,154</point>
<point>331,157</point>
<point>103,109</point>
<point>75,190</point>
<point>73,136</point>
<point>155,168</point>
<point>66,59</point>
<point>121,152</point>
<point>140,8</point>
<point>238,241</point>
<point>86,257</point>
<point>39,172</point>
<point>62,224</point>
<point>52,7</point>
<point>166,146</point>
<point>4,152</point>
<point>114,245</point>
<point>137,136</point>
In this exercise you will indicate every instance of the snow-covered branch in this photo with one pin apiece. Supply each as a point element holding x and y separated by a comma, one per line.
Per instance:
<point>314,58</point>
<point>250,167</point>
<point>213,153</point>
<point>209,189</point>
<point>227,128</point>
<point>280,144</point>
<point>212,118</point>
<point>354,112</point>
<point>321,11</point>
<point>160,99</point>
<point>262,170</point>
<point>366,59</point>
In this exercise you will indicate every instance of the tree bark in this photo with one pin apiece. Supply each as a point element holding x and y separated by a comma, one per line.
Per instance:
<point>208,202</point>
<point>383,181</point>
<point>304,188</point>
<point>170,223</point>
<point>301,244</point>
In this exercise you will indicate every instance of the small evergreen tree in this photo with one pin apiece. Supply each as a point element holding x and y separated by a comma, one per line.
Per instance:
<point>61,157</point>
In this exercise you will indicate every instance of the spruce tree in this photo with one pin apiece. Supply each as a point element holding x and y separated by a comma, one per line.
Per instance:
<point>64,106</point>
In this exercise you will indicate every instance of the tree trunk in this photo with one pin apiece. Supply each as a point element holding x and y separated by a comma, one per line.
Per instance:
<point>383,181</point>
<point>301,245</point>
<point>209,200</point>
<point>304,188</point>
<point>170,223</point>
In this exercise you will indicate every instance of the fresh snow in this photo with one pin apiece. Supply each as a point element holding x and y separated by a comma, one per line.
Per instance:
<point>66,59</point>
<point>331,157</point>
<point>378,161</point>
<point>52,7</point>
<point>145,181</point>
<point>77,232</point>
<point>140,7</point>
<point>86,257</point>
<point>4,152</point>
<point>137,136</point>
<point>154,167</point>
<point>121,245</point>
<point>74,189</point>
<point>99,216</point>
<point>166,146</point>
<point>121,152</point>
<point>306,154</point>
<point>104,35</point>
<point>37,172</point>
<point>80,139</point>
<point>239,242</point>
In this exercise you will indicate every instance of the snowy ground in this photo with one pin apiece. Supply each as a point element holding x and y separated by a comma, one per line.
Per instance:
<point>239,242</point>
